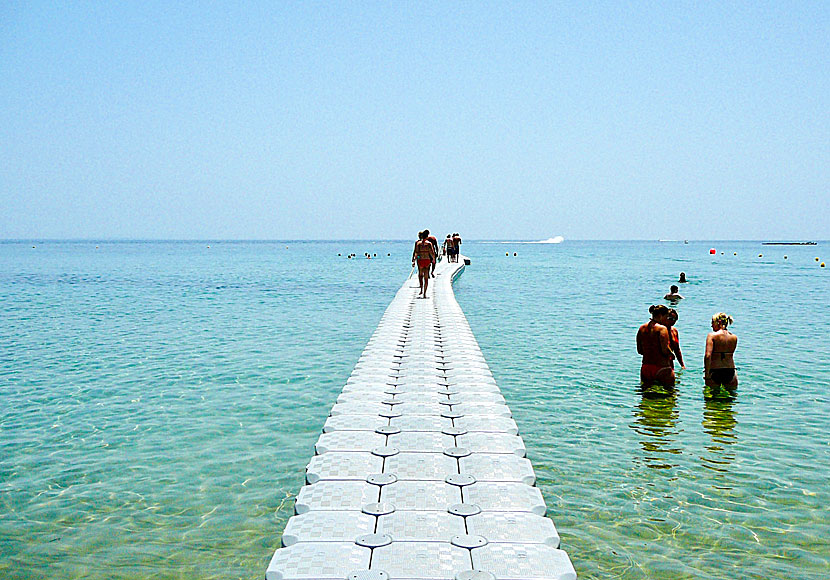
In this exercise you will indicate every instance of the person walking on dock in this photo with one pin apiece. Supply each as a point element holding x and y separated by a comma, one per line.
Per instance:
<point>456,242</point>
<point>424,255</point>
<point>449,246</point>
<point>434,241</point>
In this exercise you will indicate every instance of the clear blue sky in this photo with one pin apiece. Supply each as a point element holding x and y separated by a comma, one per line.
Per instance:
<point>508,120</point>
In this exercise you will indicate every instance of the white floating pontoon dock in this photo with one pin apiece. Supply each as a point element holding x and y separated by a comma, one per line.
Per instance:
<point>420,472</point>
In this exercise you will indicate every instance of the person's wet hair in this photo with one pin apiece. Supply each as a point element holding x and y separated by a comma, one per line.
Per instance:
<point>674,288</point>
<point>657,310</point>
<point>723,319</point>
<point>422,235</point>
<point>672,314</point>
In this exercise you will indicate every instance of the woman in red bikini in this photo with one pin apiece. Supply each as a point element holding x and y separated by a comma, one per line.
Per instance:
<point>718,362</point>
<point>654,343</point>
<point>674,337</point>
<point>424,255</point>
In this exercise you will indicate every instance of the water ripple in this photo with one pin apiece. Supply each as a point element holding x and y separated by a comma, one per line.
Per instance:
<point>159,402</point>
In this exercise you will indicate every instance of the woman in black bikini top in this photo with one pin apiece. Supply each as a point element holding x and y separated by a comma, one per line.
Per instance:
<point>718,362</point>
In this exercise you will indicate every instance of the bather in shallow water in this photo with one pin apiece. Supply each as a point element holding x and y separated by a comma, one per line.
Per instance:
<point>718,360</point>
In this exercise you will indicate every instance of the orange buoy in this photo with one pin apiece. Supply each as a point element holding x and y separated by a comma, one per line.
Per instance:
<point>712,251</point>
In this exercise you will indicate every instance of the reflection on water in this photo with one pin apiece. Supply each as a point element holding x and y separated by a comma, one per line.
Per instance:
<point>655,418</point>
<point>719,392</point>
<point>719,423</point>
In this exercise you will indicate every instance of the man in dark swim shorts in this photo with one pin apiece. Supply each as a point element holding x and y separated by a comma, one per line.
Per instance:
<point>452,251</point>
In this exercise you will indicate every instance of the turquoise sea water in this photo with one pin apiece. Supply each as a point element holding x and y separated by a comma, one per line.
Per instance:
<point>160,400</point>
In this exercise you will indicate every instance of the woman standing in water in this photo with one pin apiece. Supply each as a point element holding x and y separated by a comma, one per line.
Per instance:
<point>424,254</point>
<point>718,362</point>
<point>674,337</point>
<point>654,344</point>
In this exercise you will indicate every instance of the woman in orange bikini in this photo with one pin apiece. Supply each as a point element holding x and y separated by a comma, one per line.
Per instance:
<point>718,361</point>
<point>424,255</point>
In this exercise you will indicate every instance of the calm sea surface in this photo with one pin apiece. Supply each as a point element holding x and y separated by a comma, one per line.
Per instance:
<point>159,401</point>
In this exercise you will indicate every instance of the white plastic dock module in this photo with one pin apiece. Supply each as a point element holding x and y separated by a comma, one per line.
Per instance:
<point>420,472</point>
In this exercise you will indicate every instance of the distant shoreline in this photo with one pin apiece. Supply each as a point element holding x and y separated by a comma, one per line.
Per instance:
<point>789,243</point>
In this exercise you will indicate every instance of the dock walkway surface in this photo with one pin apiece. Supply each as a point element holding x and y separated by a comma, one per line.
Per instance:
<point>420,472</point>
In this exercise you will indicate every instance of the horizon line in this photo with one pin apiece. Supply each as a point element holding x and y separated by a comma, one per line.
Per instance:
<point>374,240</point>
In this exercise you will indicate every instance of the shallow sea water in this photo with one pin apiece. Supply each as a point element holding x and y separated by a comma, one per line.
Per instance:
<point>160,400</point>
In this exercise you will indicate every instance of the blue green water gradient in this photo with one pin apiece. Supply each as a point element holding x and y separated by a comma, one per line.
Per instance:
<point>160,400</point>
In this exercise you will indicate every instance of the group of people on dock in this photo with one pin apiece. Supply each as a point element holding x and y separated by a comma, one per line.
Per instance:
<point>659,344</point>
<point>426,255</point>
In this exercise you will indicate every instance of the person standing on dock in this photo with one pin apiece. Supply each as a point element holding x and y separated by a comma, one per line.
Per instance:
<point>654,344</point>
<point>456,242</point>
<point>424,255</point>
